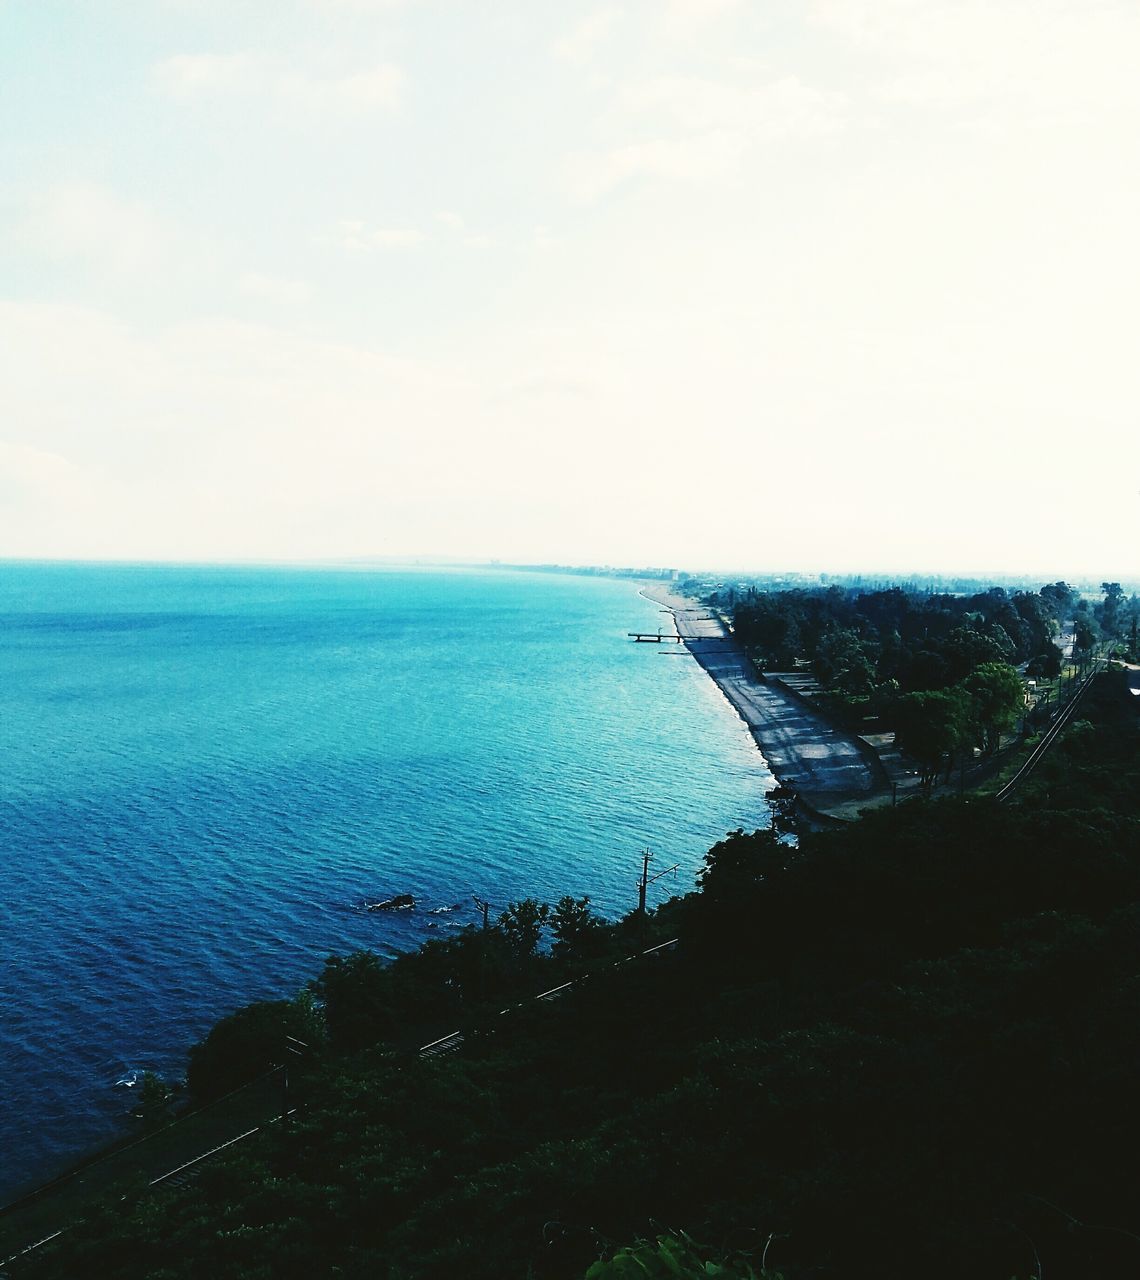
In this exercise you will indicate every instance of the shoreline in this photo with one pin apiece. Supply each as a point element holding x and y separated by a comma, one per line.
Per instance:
<point>821,764</point>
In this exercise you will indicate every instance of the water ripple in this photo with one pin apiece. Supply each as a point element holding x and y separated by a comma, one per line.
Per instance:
<point>207,771</point>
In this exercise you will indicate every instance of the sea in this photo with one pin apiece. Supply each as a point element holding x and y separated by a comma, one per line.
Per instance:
<point>209,772</point>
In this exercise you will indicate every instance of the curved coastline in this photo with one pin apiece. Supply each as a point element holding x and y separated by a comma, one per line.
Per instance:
<point>824,766</point>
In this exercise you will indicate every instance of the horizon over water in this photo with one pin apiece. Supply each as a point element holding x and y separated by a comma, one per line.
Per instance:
<point>209,770</point>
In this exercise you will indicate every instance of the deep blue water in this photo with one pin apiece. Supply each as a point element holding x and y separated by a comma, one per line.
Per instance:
<point>207,771</point>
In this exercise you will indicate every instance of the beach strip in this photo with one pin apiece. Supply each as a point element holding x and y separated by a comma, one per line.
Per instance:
<point>820,763</point>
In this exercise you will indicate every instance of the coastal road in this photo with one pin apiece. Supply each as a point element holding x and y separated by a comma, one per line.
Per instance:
<point>801,748</point>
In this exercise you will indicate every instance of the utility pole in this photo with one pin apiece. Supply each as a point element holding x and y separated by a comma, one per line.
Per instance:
<point>298,1049</point>
<point>646,879</point>
<point>643,884</point>
<point>483,906</point>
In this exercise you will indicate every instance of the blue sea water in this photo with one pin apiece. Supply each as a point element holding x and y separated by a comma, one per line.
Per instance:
<point>207,771</point>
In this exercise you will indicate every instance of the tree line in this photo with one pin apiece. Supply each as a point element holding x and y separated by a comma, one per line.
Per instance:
<point>940,670</point>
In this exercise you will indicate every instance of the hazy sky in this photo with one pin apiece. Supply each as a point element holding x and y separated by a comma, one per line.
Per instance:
<point>821,284</point>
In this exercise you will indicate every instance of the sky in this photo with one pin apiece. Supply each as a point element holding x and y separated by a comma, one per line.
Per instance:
<point>822,285</point>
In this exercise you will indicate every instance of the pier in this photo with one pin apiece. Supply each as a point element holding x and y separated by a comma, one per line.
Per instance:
<point>655,637</point>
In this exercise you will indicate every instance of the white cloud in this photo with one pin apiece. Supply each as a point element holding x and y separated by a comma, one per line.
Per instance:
<point>1025,61</point>
<point>782,108</point>
<point>274,80</point>
<point>91,223</point>
<point>457,226</point>
<point>357,236</point>
<point>906,300</point>
<point>544,240</point>
<point>187,74</point>
<point>389,238</point>
<point>704,129</point>
<point>206,434</point>
<point>38,479</point>
<point>580,44</point>
<point>274,289</point>
<point>699,158</point>
<point>221,439</point>
<point>683,18</point>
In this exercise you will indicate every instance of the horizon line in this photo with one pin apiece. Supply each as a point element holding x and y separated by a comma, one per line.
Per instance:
<point>629,570</point>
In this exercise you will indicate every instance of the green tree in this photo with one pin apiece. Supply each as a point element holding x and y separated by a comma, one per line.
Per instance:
<point>357,994</point>
<point>997,698</point>
<point>155,1097</point>
<point>931,726</point>
<point>1086,631</point>
<point>248,1043</point>
<point>841,662</point>
<point>1111,611</point>
<point>1045,663</point>
<point>967,648</point>
<point>1039,626</point>
<point>577,930</point>
<point>522,923</point>
<point>1059,599</point>
<point>738,865</point>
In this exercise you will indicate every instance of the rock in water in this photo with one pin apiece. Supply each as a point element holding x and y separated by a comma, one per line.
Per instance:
<point>401,902</point>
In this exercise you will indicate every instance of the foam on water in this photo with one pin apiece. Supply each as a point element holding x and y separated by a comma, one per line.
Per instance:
<point>207,773</point>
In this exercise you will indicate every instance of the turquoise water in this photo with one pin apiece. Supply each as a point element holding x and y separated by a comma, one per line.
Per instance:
<point>208,771</point>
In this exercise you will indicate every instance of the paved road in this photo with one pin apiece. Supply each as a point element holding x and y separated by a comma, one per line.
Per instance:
<point>801,748</point>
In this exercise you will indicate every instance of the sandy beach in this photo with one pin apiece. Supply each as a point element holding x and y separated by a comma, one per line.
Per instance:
<point>823,765</point>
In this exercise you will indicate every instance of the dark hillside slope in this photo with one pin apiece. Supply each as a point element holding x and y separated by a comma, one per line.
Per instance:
<point>905,1049</point>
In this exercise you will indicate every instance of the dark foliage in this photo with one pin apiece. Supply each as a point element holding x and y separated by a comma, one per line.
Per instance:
<point>246,1044</point>
<point>907,1048</point>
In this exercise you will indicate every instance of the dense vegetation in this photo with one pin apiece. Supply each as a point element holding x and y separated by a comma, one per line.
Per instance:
<point>857,641</point>
<point>906,1048</point>
<point>939,670</point>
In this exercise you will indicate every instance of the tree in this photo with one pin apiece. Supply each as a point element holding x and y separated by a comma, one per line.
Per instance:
<point>523,923</point>
<point>997,698</point>
<point>736,866</point>
<point>967,648</point>
<point>576,929</point>
<point>1038,625</point>
<point>1086,630</point>
<point>931,726</point>
<point>155,1097</point>
<point>769,627</point>
<point>248,1043</point>
<point>841,662</point>
<point>356,991</point>
<point>1112,609</point>
<point>1045,663</point>
<point>1059,599</point>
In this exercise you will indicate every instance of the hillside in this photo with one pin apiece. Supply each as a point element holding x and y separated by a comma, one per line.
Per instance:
<point>908,1048</point>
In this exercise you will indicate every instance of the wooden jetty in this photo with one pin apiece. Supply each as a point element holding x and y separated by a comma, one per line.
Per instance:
<point>655,637</point>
